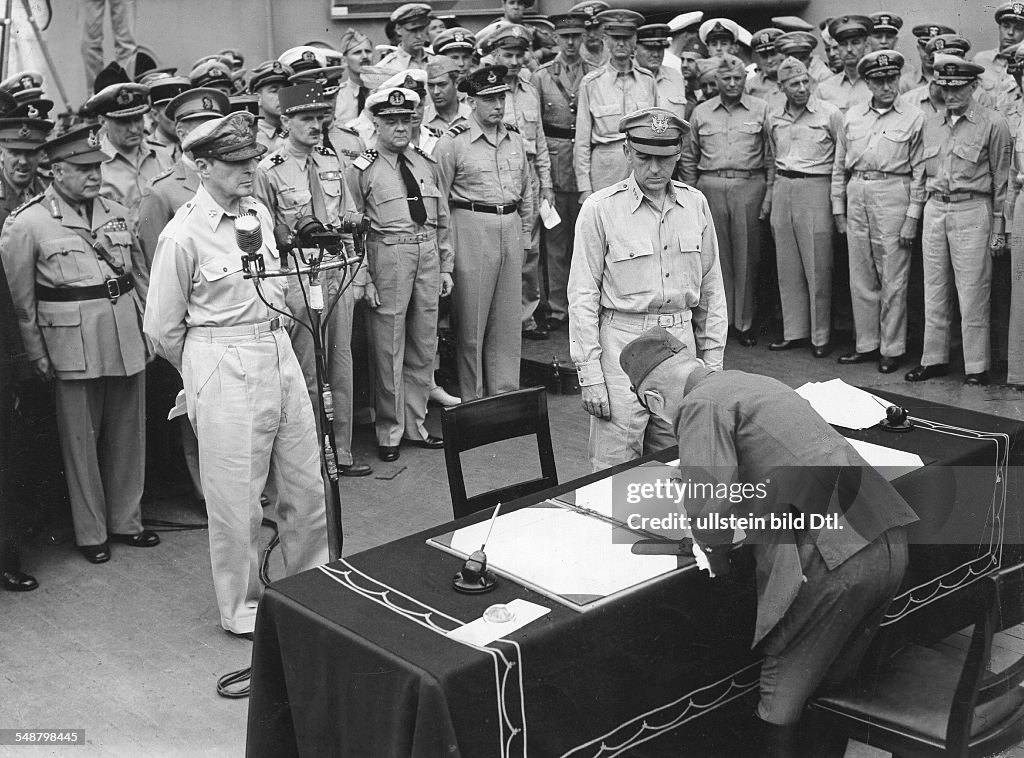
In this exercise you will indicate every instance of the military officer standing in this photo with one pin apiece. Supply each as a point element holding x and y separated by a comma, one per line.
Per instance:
<point>594,50</point>
<point>397,187</point>
<point>69,257</point>
<point>722,35</point>
<point>208,322</point>
<point>444,108</point>
<point>646,255</point>
<point>557,84</point>
<point>923,34</point>
<point>651,42</point>
<point>486,177</point>
<point>764,82</point>
<point>410,22</point>
<point>803,137</point>
<point>967,152</point>
<point>996,79</point>
<point>885,30</point>
<point>846,88</point>
<point>727,157</point>
<point>607,94</point>
<point>162,89</point>
<point>352,92</point>
<point>801,45</point>
<point>265,81</point>
<point>877,200</point>
<point>458,44</point>
<point>303,178</point>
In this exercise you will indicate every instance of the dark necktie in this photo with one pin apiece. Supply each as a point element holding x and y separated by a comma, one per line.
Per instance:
<point>416,208</point>
<point>361,99</point>
<point>327,142</point>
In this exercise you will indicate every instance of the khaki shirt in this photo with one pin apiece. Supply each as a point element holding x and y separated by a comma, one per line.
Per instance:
<point>1011,105</point>
<point>996,82</point>
<point>724,137</point>
<point>375,185</point>
<point>282,184</point>
<point>558,86</point>
<point>671,88</point>
<point>42,244</point>
<point>434,120</point>
<point>268,135</point>
<point>522,108</point>
<point>399,60</point>
<point>161,200</point>
<point>12,198</point>
<point>605,97</point>
<point>630,256</point>
<point>345,143</point>
<point>889,142</point>
<point>124,179</point>
<point>197,275</point>
<point>818,70</point>
<point>347,107</point>
<point>843,92</point>
<point>759,85</point>
<point>972,156</point>
<point>921,98</point>
<point>805,142</point>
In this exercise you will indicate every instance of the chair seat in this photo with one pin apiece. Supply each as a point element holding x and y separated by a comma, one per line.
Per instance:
<point>914,695</point>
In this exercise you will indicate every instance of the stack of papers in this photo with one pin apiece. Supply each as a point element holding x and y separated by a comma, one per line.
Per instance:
<point>844,405</point>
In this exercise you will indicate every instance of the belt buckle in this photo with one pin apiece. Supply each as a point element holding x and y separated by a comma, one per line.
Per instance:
<point>113,289</point>
<point>275,324</point>
<point>666,320</point>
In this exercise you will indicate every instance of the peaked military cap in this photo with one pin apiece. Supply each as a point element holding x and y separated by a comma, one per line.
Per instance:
<point>211,72</point>
<point>25,85</point>
<point>24,133</point>
<point>412,78</point>
<point>162,90</point>
<point>951,71</point>
<point>925,32</point>
<point>949,44</point>
<point>269,72</point>
<point>886,22</point>
<point>591,9</point>
<point>619,21</point>
<point>247,103</point>
<point>792,24</point>
<point>230,138</point>
<point>880,63</point>
<point>417,14</point>
<point>684,21</point>
<point>201,102</point>
<point>486,80</point>
<point>796,42</point>
<point>654,131</point>
<point>1012,11</point>
<point>841,27</point>
<point>80,146</point>
<point>763,40</point>
<point>569,23</point>
<point>302,98</point>
<point>653,35</point>
<point>392,101</point>
<point>126,100</point>
<point>456,38</point>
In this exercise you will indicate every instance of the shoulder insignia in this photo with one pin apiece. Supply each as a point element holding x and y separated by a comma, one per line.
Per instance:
<point>352,154</point>
<point>277,159</point>
<point>346,129</point>
<point>591,75</point>
<point>162,175</point>
<point>511,127</point>
<point>424,153</point>
<point>324,150</point>
<point>456,129</point>
<point>432,131</point>
<point>31,201</point>
<point>104,203</point>
<point>365,160</point>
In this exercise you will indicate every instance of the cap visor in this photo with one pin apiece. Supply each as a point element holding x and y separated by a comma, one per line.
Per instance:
<point>138,110</point>
<point>91,158</point>
<point>248,152</point>
<point>656,149</point>
<point>497,89</point>
<point>394,111</point>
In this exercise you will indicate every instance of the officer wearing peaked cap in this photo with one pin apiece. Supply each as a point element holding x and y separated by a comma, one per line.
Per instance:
<point>923,34</point>
<point>485,174</point>
<point>996,79</point>
<point>410,22</point>
<point>652,41</point>
<point>594,51</point>
<point>645,255</point>
<point>302,179</point>
<point>213,73</point>
<point>71,258</point>
<point>21,142</point>
<point>409,264</point>
<point>458,44</point>
<point>607,94</point>
<point>967,152</point>
<point>885,29</point>
<point>846,88</point>
<point>264,82</point>
<point>202,309</point>
<point>877,200</point>
<point>723,35</point>
<point>764,83</point>
<point>800,44</point>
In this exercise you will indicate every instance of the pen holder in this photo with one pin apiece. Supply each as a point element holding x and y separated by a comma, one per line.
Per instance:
<point>474,578</point>
<point>896,420</point>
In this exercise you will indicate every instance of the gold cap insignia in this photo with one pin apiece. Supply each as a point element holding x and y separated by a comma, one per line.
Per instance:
<point>409,83</point>
<point>26,82</point>
<point>124,97</point>
<point>459,37</point>
<point>933,31</point>
<point>93,139</point>
<point>396,98</point>
<point>309,56</point>
<point>939,44</point>
<point>659,123</point>
<point>884,21</point>
<point>207,103</point>
<point>492,78</point>
<point>24,132</point>
<point>1018,9</point>
<point>883,60</point>
<point>33,112</point>
<point>276,67</point>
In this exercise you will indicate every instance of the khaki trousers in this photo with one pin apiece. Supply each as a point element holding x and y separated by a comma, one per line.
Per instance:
<point>559,242</point>
<point>1015,346</point>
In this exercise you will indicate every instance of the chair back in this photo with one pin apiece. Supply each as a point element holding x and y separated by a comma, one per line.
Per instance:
<point>490,420</point>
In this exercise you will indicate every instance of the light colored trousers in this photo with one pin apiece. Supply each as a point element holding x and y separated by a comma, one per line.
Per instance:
<point>103,442</point>
<point>735,207</point>
<point>403,335</point>
<point>122,21</point>
<point>803,227</point>
<point>558,242</point>
<point>955,255</point>
<point>879,266</point>
<point>632,431</point>
<point>1015,349</point>
<point>248,403</point>
<point>486,301</point>
<point>531,262</point>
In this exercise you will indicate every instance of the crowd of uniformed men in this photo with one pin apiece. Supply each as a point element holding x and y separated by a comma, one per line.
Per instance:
<point>804,184</point>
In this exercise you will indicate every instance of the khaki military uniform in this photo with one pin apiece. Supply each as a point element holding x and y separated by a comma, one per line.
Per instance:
<point>492,210</point>
<point>671,87</point>
<point>433,120</point>
<point>605,97</point>
<point>843,92</point>
<point>996,82</point>
<point>285,185</point>
<point>399,60</point>
<point>558,85</point>
<point>268,135</point>
<point>95,346</point>
<point>967,166</point>
<point>760,86</point>
<point>124,180</point>
<point>878,182</point>
<point>245,395</point>
<point>635,267</point>
<point>1015,220</point>
<point>727,157</point>
<point>804,150</point>
<point>404,262</point>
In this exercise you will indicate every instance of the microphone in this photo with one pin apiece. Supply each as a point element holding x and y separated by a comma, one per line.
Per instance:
<point>283,238</point>
<point>248,233</point>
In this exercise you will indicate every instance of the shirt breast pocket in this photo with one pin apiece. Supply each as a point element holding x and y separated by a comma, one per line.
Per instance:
<point>431,199</point>
<point>120,244</point>
<point>293,199</point>
<point>686,265</point>
<point>967,153</point>
<point>931,159</point>
<point>67,260</point>
<point>390,203</point>
<point>215,269</point>
<point>632,265</point>
<point>606,118</point>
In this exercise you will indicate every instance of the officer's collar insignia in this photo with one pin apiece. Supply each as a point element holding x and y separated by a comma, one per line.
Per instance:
<point>492,78</point>
<point>33,112</point>
<point>659,123</point>
<point>207,103</point>
<point>124,97</point>
<point>24,132</point>
<point>93,139</point>
<point>396,98</point>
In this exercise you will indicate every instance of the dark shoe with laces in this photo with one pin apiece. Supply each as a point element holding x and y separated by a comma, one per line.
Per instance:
<point>355,469</point>
<point>18,581</point>
<point>787,344</point>
<point>95,553</point>
<point>387,453</point>
<point>976,380</point>
<point>924,373</point>
<point>855,357</point>
<point>430,443</point>
<point>145,538</point>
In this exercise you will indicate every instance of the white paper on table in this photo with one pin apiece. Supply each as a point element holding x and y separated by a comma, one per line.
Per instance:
<point>596,496</point>
<point>844,405</point>
<point>891,463</point>
<point>548,215</point>
<point>481,631</point>
<point>562,552</point>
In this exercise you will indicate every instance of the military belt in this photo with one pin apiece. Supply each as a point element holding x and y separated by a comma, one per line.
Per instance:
<point>957,197</point>
<point>559,132</point>
<point>733,173</point>
<point>876,176</point>
<point>648,320</point>
<point>111,290</point>
<point>401,239</point>
<point>242,330</point>
<point>499,209</point>
<point>799,174</point>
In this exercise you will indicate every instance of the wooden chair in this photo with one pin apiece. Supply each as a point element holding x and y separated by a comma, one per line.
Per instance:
<point>494,419</point>
<point>932,702</point>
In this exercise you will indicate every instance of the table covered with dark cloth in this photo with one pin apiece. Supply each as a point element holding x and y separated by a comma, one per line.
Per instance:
<point>352,659</point>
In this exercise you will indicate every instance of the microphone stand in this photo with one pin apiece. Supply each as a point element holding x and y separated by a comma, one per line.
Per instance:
<point>254,267</point>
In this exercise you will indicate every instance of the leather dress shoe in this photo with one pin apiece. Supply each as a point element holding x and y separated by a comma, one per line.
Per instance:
<point>387,452</point>
<point>787,344</point>
<point>539,333</point>
<point>887,364</point>
<point>976,380</point>
<point>1016,387</point>
<point>145,538</point>
<point>250,636</point>
<point>746,337</point>
<point>355,469</point>
<point>554,324</point>
<point>855,357</point>
<point>822,351</point>
<point>18,581</point>
<point>924,373</point>
<point>430,443</point>
<point>95,553</point>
